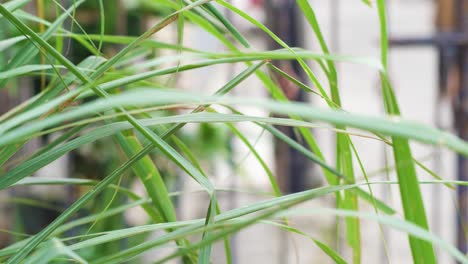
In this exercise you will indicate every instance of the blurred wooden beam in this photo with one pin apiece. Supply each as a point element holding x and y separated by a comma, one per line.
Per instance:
<point>293,168</point>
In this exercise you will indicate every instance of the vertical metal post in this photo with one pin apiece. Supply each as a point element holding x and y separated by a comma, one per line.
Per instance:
<point>461,123</point>
<point>292,167</point>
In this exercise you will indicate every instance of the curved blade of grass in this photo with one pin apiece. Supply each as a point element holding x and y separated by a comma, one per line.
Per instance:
<point>14,4</point>
<point>51,250</point>
<point>7,43</point>
<point>296,81</point>
<point>132,231</point>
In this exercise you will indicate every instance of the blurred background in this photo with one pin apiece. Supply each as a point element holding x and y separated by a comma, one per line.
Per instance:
<point>427,65</point>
